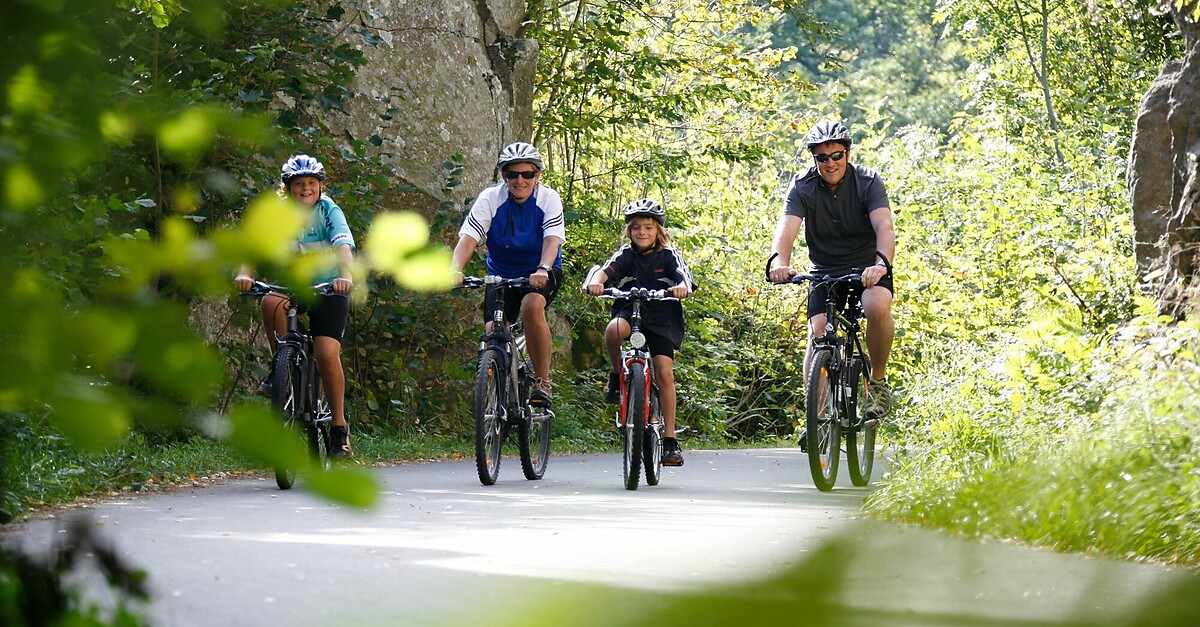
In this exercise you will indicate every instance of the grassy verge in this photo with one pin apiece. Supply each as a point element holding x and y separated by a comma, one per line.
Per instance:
<point>1081,444</point>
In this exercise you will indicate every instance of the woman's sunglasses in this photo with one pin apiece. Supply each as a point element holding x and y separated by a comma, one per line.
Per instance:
<point>525,174</point>
<point>836,156</point>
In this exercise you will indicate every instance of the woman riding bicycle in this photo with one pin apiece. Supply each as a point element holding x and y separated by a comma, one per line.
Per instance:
<point>648,261</point>
<point>521,221</point>
<point>302,179</point>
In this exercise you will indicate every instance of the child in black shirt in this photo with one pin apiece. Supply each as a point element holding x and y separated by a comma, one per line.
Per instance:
<point>647,261</point>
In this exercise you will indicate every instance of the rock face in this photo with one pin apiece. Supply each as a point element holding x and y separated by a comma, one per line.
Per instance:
<point>1164,175</point>
<point>461,80</point>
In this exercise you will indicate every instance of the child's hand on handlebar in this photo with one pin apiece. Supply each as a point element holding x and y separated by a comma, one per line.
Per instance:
<point>679,291</point>
<point>595,289</point>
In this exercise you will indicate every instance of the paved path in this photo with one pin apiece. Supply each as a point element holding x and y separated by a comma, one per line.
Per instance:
<point>440,549</point>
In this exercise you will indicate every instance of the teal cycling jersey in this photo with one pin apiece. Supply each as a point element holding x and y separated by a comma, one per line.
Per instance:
<point>327,229</point>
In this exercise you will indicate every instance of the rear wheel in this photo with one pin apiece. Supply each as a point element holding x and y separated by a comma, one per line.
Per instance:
<point>488,416</point>
<point>822,424</point>
<point>534,442</point>
<point>635,425</point>
<point>652,456</point>
<point>286,397</point>
<point>860,438</point>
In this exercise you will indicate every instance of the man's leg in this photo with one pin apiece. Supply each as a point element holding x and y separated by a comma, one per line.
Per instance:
<point>881,329</point>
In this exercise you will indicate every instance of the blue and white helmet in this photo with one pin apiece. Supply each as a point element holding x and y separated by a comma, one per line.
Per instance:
<point>519,152</point>
<point>645,208</point>
<point>301,165</point>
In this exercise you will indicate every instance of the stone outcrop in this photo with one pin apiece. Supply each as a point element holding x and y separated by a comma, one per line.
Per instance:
<point>1164,174</point>
<point>461,78</point>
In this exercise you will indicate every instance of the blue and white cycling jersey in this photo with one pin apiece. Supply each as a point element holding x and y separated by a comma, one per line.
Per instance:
<point>327,229</point>
<point>514,231</point>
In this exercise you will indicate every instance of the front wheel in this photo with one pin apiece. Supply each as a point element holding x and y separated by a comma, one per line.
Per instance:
<point>287,399</point>
<point>860,437</point>
<point>635,425</point>
<point>822,423</point>
<point>488,416</point>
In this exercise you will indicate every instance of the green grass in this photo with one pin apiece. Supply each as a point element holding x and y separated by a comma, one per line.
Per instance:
<point>1099,458</point>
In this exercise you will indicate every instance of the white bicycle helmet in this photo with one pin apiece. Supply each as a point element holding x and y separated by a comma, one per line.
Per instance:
<point>302,165</point>
<point>828,131</point>
<point>519,152</point>
<point>645,207</point>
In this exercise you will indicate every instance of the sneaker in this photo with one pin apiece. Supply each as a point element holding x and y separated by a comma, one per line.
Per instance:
<point>802,440</point>
<point>542,394</point>
<point>265,387</point>
<point>672,456</point>
<point>879,400</point>
<point>613,393</point>
<point>339,442</point>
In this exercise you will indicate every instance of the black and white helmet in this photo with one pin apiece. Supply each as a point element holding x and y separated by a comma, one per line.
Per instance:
<point>645,207</point>
<point>828,131</point>
<point>519,152</point>
<point>301,165</point>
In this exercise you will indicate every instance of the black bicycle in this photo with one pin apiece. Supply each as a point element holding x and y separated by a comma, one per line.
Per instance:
<point>503,378</point>
<point>836,386</point>
<point>297,392</point>
<point>639,417</point>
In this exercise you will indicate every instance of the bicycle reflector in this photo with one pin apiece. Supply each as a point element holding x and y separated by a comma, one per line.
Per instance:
<point>638,339</point>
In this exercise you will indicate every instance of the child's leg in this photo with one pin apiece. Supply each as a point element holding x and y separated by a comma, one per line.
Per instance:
<point>329,362</point>
<point>664,375</point>
<point>616,332</point>
<point>274,316</point>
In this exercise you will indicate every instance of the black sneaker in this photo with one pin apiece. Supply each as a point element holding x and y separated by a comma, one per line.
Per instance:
<point>339,442</point>
<point>265,387</point>
<point>613,393</point>
<point>672,456</point>
<point>802,440</point>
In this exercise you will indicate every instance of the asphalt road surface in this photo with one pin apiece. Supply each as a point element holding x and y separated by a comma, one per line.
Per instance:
<point>440,549</point>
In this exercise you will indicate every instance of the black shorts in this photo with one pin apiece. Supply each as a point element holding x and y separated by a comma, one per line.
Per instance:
<point>328,317</point>
<point>514,295</point>
<point>656,342</point>
<point>816,295</point>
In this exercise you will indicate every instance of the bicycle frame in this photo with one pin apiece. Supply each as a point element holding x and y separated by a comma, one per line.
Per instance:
<point>842,338</point>
<point>633,354</point>
<point>509,337</point>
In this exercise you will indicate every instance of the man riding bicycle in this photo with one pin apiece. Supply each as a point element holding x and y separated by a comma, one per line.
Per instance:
<point>520,219</point>
<point>848,228</point>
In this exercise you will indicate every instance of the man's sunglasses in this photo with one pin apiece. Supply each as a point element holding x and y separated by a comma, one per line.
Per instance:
<point>836,156</point>
<point>525,174</point>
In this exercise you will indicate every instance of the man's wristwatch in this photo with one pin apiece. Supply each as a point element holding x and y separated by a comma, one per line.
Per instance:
<point>542,266</point>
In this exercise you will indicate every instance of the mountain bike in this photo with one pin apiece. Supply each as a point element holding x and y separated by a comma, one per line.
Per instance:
<point>836,386</point>
<point>639,417</point>
<point>503,378</point>
<point>297,392</point>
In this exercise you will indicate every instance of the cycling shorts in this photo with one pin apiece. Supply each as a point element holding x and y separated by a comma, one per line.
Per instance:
<point>656,343</point>
<point>328,318</point>
<point>816,295</point>
<point>514,295</point>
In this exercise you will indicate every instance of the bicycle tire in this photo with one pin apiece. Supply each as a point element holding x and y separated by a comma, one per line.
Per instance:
<point>488,415</point>
<point>635,425</point>
<point>822,423</point>
<point>860,437</point>
<point>285,398</point>
<point>652,449</point>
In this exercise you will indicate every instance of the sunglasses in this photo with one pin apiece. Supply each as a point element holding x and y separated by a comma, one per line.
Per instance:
<point>836,156</point>
<point>525,174</point>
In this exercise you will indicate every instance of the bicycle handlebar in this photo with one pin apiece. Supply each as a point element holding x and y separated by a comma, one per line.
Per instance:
<point>473,282</point>
<point>637,293</point>
<point>262,288</point>
<point>853,277</point>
